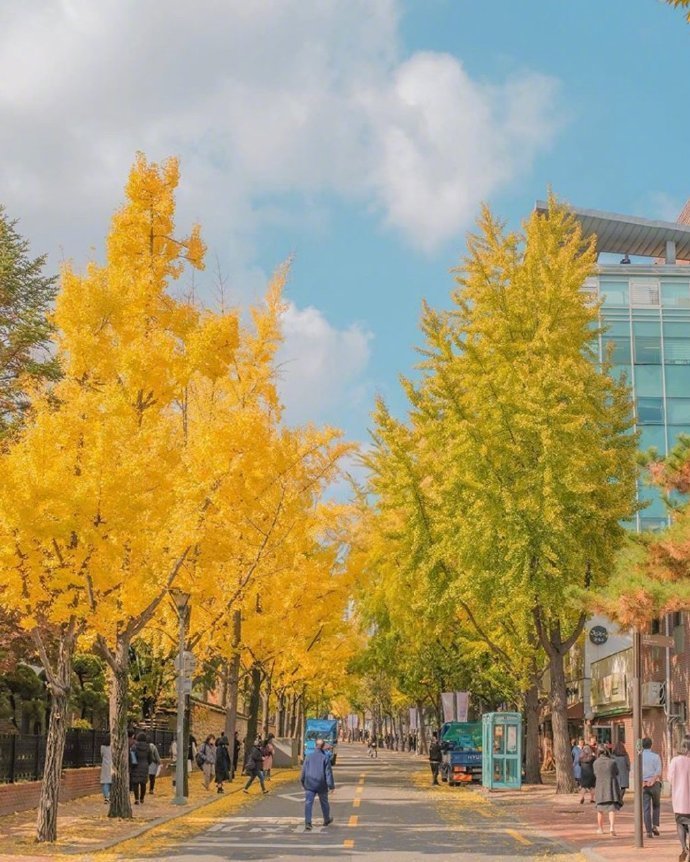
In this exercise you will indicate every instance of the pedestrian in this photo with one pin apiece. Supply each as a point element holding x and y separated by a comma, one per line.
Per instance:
<point>317,780</point>
<point>679,776</point>
<point>651,788</point>
<point>106,768</point>
<point>608,791</point>
<point>622,758</point>
<point>154,767</point>
<point>140,759</point>
<point>373,746</point>
<point>268,750</point>
<point>206,759</point>
<point>192,751</point>
<point>587,777</point>
<point>435,757</point>
<point>222,764</point>
<point>575,752</point>
<point>254,767</point>
<point>236,745</point>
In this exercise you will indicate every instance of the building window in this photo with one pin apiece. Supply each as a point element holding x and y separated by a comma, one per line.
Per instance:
<point>678,411</point>
<point>644,293</point>
<point>620,354</point>
<point>650,411</point>
<point>653,525</point>
<point>648,380</point>
<point>675,294</point>
<point>655,626</point>
<point>677,378</point>
<point>614,292</point>
<point>620,733</point>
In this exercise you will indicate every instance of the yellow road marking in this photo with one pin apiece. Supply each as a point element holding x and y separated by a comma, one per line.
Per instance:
<point>348,842</point>
<point>359,790</point>
<point>356,803</point>
<point>362,775</point>
<point>361,781</point>
<point>518,836</point>
<point>482,812</point>
<point>353,821</point>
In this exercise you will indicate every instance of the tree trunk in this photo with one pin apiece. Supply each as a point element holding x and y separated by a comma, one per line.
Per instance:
<point>59,686</point>
<point>401,732</point>
<point>532,764</point>
<point>233,683</point>
<point>254,703</point>
<point>266,707</point>
<point>565,781</point>
<point>281,715</point>
<point>299,725</point>
<point>120,804</point>
<point>422,748</point>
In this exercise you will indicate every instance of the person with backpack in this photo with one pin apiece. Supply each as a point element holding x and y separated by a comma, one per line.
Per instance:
<point>154,767</point>
<point>317,780</point>
<point>254,767</point>
<point>435,757</point>
<point>206,759</point>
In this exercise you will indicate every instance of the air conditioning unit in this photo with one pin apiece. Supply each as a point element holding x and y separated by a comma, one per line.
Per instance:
<point>653,693</point>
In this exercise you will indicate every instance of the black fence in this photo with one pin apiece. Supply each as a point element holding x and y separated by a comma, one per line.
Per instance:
<point>22,756</point>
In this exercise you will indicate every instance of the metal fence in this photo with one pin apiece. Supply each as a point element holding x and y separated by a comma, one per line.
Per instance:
<point>22,756</point>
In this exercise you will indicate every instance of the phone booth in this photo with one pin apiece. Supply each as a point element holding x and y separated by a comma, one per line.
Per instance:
<point>502,750</point>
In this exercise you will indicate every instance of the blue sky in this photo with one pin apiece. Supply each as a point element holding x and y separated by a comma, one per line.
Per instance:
<point>359,136</point>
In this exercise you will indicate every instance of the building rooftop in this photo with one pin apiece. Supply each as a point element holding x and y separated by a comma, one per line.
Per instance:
<point>622,234</point>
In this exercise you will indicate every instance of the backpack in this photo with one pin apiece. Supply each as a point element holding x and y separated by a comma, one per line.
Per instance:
<point>133,759</point>
<point>200,759</point>
<point>154,756</point>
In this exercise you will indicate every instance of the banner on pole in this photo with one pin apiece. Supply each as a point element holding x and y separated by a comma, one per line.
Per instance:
<point>462,705</point>
<point>448,704</point>
<point>353,721</point>
<point>413,718</point>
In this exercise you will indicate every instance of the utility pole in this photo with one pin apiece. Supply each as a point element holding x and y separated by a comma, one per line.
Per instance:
<point>637,734</point>
<point>181,600</point>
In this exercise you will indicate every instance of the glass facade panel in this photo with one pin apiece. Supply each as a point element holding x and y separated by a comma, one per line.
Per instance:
<point>653,436</point>
<point>656,507</point>
<point>621,350</point>
<point>677,351</point>
<point>647,337</point>
<point>620,371</point>
<point>650,411</point>
<point>677,381</point>
<point>648,380</point>
<point>652,524</point>
<point>678,411</point>
<point>675,293</point>
<point>614,292</point>
<point>674,431</point>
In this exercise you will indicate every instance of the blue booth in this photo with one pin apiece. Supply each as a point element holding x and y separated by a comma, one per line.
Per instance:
<point>502,750</point>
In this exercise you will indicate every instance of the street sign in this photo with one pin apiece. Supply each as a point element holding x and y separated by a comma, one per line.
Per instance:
<point>187,685</point>
<point>664,641</point>
<point>188,663</point>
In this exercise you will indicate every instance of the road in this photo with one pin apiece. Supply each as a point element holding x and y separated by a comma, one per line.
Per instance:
<point>385,811</point>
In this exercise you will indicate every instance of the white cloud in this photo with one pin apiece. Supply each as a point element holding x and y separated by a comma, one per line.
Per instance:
<point>275,108</point>
<point>260,99</point>
<point>321,367</point>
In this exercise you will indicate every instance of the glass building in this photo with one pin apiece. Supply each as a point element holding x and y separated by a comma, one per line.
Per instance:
<point>646,315</point>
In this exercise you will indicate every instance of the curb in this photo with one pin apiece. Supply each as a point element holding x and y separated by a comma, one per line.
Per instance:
<point>151,824</point>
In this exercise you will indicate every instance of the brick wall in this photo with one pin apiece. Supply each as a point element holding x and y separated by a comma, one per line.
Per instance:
<point>25,794</point>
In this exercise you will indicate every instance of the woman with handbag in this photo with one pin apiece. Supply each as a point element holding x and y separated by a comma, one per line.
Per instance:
<point>608,791</point>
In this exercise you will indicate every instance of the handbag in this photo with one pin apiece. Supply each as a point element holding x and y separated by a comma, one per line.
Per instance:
<point>133,757</point>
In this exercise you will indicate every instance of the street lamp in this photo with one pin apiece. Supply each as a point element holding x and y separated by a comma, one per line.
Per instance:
<point>181,600</point>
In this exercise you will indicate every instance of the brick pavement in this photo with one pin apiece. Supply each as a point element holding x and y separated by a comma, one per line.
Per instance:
<point>564,819</point>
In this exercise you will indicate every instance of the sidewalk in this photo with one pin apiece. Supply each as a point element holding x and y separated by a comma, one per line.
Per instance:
<point>84,828</point>
<point>575,825</point>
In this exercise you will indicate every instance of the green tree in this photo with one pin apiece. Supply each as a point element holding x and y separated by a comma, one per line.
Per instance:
<point>26,295</point>
<point>533,456</point>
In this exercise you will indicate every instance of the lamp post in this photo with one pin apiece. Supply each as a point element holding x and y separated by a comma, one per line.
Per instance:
<point>637,734</point>
<point>181,600</point>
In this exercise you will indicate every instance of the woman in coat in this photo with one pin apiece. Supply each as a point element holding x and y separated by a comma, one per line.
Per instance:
<point>620,755</point>
<point>222,761</point>
<point>268,750</point>
<point>206,758</point>
<point>587,779</point>
<point>576,751</point>
<point>139,771</point>
<point>608,791</point>
<point>106,769</point>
